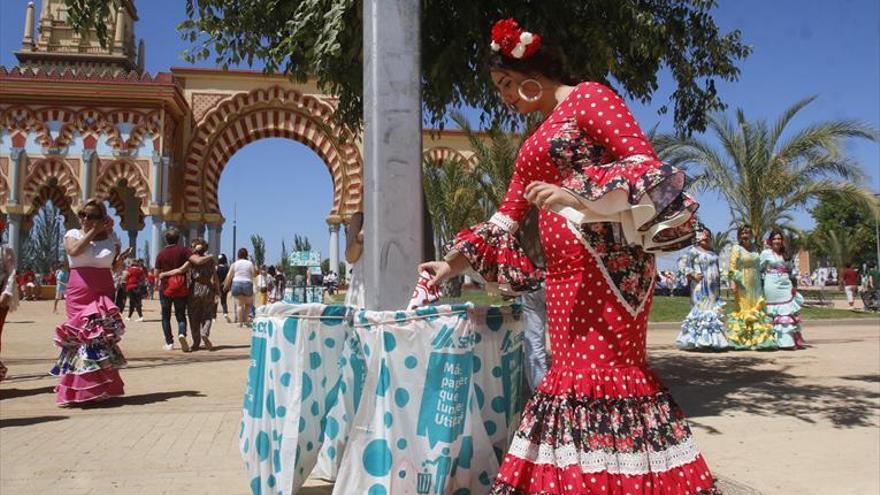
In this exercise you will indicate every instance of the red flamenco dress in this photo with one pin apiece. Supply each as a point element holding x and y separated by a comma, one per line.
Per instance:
<point>601,422</point>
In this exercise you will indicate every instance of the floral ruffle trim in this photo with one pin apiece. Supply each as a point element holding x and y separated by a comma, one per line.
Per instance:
<point>496,255</point>
<point>502,488</point>
<point>89,340</point>
<point>702,330</point>
<point>643,194</point>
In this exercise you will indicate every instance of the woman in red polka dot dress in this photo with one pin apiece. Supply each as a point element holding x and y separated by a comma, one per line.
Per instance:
<point>600,422</point>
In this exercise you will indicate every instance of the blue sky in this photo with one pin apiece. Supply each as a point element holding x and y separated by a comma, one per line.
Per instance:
<point>801,48</point>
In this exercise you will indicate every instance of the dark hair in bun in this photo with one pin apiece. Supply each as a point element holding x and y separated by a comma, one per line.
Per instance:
<point>548,61</point>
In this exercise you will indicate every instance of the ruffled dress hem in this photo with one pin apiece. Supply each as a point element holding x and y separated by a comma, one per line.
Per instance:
<point>90,357</point>
<point>703,330</point>
<point>602,430</point>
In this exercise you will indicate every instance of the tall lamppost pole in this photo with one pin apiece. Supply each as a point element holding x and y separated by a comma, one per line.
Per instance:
<point>877,231</point>
<point>234,229</point>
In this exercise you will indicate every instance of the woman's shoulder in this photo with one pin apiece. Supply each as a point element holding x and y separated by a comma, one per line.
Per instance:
<point>74,233</point>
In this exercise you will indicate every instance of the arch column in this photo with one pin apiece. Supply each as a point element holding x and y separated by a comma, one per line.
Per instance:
<point>214,230</point>
<point>15,234</point>
<point>334,247</point>
<point>156,243</point>
<point>17,155</point>
<point>88,167</point>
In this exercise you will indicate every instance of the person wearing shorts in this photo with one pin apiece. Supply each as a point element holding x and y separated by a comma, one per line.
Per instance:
<point>240,282</point>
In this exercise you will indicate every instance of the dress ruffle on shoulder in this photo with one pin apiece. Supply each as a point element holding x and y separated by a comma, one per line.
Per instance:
<point>494,252</point>
<point>643,194</point>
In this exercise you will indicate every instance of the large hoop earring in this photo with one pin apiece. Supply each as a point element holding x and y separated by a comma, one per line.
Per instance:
<point>530,99</point>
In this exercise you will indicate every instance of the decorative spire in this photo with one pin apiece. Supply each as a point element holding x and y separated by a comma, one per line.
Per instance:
<point>27,41</point>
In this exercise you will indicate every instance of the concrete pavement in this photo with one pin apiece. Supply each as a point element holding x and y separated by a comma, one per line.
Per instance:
<point>774,423</point>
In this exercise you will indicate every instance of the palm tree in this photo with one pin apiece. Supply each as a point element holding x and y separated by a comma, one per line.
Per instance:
<point>720,241</point>
<point>452,201</point>
<point>840,248</point>
<point>765,177</point>
<point>494,157</point>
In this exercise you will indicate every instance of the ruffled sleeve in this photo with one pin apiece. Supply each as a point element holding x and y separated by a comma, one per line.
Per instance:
<point>630,185</point>
<point>492,248</point>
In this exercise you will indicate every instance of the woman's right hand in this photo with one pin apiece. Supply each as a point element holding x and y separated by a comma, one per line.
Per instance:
<point>439,270</point>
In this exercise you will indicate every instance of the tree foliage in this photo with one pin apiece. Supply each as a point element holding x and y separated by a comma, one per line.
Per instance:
<point>628,41</point>
<point>259,245</point>
<point>301,243</point>
<point>844,231</point>
<point>43,247</point>
<point>766,172</point>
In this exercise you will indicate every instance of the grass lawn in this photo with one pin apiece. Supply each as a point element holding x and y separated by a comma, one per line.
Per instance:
<point>665,309</point>
<point>676,308</point>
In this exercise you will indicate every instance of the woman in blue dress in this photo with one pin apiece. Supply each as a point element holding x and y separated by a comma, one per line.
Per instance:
<point>783,301</point>
<point>702,329</point>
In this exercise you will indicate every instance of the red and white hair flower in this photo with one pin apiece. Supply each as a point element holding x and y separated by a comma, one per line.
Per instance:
<point>509,39</point>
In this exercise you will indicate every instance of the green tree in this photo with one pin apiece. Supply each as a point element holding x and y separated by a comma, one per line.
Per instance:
<point>844,231</point>
<point>452,201</point>
<point>494,158</point>
<point>259,249</point>
<point>764,175</point>
<point>43,247</point>
<point>627,40</point>
<point>301,243</point>
<point>285,260</point>
<point>720,241</point>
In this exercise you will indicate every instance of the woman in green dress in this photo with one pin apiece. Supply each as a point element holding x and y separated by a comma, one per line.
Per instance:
<point>783,301</point>
<point>748,326</point>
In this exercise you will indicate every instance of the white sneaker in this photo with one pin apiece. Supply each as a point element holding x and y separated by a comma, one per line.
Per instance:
<point>168,347</point>
<point>140,319</point>
<point>128,318</point>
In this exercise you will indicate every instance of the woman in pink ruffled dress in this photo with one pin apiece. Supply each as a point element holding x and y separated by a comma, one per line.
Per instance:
<point>601,421</point>
<point>89,340</point>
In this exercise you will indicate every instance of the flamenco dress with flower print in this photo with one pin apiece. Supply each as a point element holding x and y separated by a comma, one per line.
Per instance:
<point>748,326</point>
<point>600,422</point>
<point>90,358</point>
<point>703,328</point>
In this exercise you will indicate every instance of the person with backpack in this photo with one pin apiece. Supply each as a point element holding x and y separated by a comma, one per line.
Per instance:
<point>174,290</point>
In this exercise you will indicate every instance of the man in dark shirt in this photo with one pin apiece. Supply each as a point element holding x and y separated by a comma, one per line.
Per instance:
<point>172,256</point>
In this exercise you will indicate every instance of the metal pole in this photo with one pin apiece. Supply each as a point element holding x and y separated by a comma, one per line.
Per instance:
<point>877,232</point>
<point>234,229</point>
<point>392,151</point>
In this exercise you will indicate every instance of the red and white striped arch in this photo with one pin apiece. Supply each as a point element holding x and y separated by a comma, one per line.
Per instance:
<point>439,155</point>
<point>50,173</point>
<point>271,112</point>
<point>122,172</point>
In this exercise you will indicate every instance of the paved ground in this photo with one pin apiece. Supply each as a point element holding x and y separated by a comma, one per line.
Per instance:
<point>794,423</point>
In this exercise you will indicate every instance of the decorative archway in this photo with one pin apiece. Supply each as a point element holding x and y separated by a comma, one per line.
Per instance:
<point>271,112</point>
<point>118,175</point>
<point>50,174</point>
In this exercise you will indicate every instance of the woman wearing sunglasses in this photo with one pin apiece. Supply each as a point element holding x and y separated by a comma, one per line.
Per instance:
<point>89,340</point>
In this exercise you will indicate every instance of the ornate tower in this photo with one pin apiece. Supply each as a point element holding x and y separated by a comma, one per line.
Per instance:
<point>58,47</point>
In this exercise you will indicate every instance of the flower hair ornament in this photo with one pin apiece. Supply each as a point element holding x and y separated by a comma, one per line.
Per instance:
<point>511,41</point>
